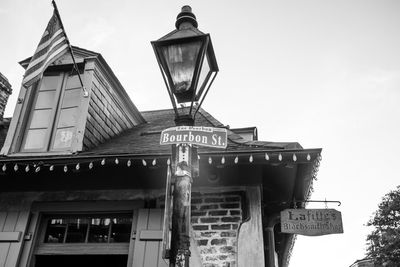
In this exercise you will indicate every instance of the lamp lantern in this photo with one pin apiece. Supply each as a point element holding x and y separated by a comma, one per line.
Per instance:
<point>187,62</point>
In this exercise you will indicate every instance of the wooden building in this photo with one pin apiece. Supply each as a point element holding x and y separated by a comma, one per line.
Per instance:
<point>83,180</point>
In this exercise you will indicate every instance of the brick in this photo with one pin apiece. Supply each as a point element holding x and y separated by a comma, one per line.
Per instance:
<point>207,234</point>
<point>200,227</point>
<point>197,200</point>
<point>218,242</point>
<point>235,226</point>
<point>209,220</point>
<point>230,219</point>
<point>202,242</point>
<point>222,257</point>
<point>217,212</point>
<point>227,249</point>
<point>209,250</point>
<point>209,207</point>
<point>220,226</point>
<point>194,220</point>
<point>229,205</point>
<point>211,258</point>
<point>229,234</point>
<point>214,200</point>
<point>196,194</point>
<point>234,212</point>
<point>210,265</point>
<point>199,213</point>
<point>232,199</point>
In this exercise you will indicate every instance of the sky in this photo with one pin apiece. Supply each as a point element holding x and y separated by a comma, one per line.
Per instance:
<point>322,73</point>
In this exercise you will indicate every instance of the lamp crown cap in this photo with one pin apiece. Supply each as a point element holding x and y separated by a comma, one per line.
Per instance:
<point>186,15</point>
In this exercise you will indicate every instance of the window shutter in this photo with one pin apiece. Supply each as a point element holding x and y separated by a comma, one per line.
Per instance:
<point>148,244</point>
<point>12,229</point>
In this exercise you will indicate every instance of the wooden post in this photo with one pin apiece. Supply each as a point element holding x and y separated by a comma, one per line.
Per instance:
<point>180,236</point>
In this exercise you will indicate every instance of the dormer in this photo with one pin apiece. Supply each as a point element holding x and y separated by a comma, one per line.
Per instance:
<point>54,116</point>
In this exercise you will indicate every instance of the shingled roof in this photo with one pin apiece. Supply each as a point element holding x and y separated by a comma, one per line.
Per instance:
<point>144,139</point>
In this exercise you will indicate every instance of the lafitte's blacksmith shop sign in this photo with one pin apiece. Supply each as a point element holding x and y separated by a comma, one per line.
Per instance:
<point>311,222</point>
<point>202,136</point>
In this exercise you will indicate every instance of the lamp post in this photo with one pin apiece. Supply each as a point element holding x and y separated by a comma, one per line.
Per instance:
<point>187,62</point>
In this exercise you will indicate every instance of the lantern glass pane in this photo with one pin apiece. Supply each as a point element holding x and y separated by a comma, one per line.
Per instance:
<point>204,76</point>
<point>181,61</point>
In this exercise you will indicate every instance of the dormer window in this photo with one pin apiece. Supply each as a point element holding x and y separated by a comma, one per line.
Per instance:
<point>52,113</point>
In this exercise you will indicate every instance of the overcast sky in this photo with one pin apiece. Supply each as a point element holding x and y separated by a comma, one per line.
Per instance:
<point>322,73</point>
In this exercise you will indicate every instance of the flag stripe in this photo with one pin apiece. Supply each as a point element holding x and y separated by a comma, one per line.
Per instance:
<point>53,43</point>
<point>46,43</point>
<point>29,79</point>
<point>43,57</point>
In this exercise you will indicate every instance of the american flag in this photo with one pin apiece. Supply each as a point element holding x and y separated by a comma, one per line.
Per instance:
<point>53,43</point>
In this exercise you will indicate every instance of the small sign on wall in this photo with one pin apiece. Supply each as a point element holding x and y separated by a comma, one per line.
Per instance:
<point>311,222</point>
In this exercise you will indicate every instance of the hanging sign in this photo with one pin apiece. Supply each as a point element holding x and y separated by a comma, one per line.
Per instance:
<point>197,135</point>
<point>311,222</point>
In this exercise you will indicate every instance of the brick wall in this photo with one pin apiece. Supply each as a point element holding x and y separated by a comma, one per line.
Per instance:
<point>216,218</point>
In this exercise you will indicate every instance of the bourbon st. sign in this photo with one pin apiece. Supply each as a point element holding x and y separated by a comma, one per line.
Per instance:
<point>311,222</point>
<point>202,136</point>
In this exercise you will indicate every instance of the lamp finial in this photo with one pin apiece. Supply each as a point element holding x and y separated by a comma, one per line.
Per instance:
<point>186,15</point>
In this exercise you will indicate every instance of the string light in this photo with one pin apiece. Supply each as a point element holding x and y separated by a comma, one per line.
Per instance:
<point>90,165</point>
<point>280,157</point>
<point>37,169</point>
<point>223,160</point>
<point>266,156</point>
<point>77,167</point>
<point>65,168</point>
<point>116,161</point>
<point>210,160</point>
<point>51,168</point>
<point>144,162</point>
<point>154,162</point>
<point>103,162</point>
<point>129,163</point>
<point>308,157</point>
<point>16,167</point>
<point>294,157</point>
<point>168,161</point>
<point>4,168</point>
<point>236,160</point>
<point>251,158</point>
<point>27,168</point>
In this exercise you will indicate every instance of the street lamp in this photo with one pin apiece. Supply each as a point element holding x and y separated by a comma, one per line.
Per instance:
<point>187,62</point>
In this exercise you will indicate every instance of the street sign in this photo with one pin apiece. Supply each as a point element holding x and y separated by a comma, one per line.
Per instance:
<point>197,135</point>
<point>311,222</point>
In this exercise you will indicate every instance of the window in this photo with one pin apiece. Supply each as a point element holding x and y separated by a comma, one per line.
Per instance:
<point>97,228</point>
<point>53,113</point>
<point>75,238</point>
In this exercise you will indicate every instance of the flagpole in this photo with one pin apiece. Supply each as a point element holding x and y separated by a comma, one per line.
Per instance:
<point>85,93</point>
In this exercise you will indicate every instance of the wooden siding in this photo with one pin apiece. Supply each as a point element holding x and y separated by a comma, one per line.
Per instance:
<point>14,222</point>
<point>107,116</point>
